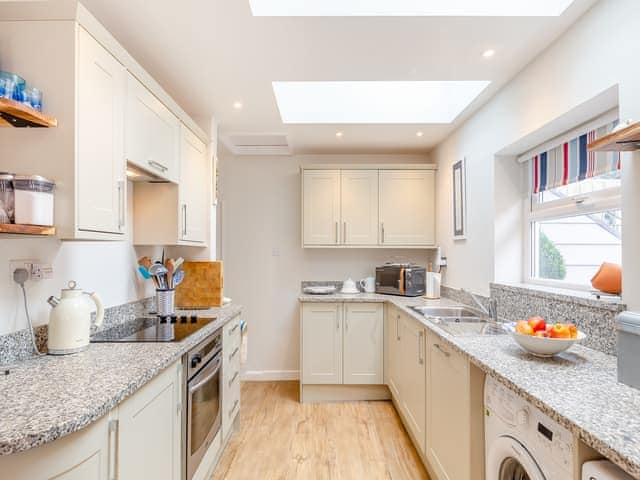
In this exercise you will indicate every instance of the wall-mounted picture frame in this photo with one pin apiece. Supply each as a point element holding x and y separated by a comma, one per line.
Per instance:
<point>459,200</point>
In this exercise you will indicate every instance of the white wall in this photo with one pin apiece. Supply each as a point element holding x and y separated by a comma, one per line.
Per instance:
<point>264,260</point>
<point>596,54</point>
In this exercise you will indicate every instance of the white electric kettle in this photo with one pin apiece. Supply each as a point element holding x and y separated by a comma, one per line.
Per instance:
<point>70,320</point>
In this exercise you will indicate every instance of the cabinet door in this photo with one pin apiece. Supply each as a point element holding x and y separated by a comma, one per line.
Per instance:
<point>359,202</point>
<point>394,352</point>
<point>448,418</point>
<point>413,380</point>
<point>149,430</point>
<point>363,343</point>
<point>321,207</point>
<point>194,186</point>
<point>321,343</point>
<point>152,137</point>
<point>407,213</point>
<point>231,340</point>
<point>100,181</point>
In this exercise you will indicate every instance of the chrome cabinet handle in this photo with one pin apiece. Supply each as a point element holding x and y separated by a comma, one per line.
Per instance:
<point>233,379</point>
<point>112,460</point>
<point>337,234</point>
<point>158,165</point>
<point>398,327</point>
<point>234,328</point>
<point>441,350</point>
<point>382,227</point>
<point>233,409</point>
<point>184,219</point>
<point>344,233</point>
<point>420,343</point>
<point>234,353</point>
<point>121,205</point>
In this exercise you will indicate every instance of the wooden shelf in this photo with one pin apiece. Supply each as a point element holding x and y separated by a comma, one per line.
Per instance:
<point>26,229</point>
<point>16,114</point>
<point>625,140</point>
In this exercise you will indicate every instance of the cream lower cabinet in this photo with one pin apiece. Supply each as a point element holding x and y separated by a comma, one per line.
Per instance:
<point>407,207</point>
<point>342,343</point>
<point>141,438</point>
<point>454,414</point>
<point>149,429</point>
<point>231,341</point>
<point>394,351</point>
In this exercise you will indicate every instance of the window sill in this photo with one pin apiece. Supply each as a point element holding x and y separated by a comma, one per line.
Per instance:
<point>578,297</point>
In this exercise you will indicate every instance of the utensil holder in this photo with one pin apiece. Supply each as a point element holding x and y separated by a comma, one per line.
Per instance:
<point>165,302</point>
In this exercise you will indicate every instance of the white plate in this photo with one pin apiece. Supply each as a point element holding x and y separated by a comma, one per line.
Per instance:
<point>320,290</point>
<point>544,347</point>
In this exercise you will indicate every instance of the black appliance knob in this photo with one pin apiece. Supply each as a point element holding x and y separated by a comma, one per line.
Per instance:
<point>195,360</point>
<point>194,318</point>
<point>174,318</point>
<point>163,319</point>
<point>183,319</point>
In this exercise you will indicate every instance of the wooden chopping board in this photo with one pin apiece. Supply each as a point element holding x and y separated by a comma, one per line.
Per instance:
<point>202,286</point>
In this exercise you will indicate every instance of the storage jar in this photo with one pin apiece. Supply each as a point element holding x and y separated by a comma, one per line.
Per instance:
<point>33,200</point>
<point>7,198</point>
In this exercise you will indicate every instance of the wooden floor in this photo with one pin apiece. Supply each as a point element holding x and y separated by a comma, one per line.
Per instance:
<point>280,438</point>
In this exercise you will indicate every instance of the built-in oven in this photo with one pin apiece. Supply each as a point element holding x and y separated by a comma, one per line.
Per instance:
<point>203,365</point>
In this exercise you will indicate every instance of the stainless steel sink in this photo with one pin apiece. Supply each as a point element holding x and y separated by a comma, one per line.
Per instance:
<point>461,321</point>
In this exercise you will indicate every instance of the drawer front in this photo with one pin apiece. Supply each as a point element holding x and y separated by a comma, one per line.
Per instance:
<point>231,334</point>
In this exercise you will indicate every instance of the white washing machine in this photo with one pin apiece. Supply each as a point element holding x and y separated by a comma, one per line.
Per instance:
<point>521,442</point>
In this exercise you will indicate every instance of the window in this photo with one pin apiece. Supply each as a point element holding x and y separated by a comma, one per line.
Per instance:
<point>575,219</point>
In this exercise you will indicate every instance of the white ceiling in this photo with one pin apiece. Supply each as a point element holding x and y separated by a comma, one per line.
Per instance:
<point>209,54</point>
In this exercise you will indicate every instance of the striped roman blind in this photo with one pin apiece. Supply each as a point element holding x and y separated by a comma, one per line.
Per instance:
<point>570,161</point>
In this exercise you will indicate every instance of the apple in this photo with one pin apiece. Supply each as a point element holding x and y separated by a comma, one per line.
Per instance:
<point>524,328</point>
<point>560,330</point>
<point>537,323</point>
<point>542,334</point>
<point>573,330</point>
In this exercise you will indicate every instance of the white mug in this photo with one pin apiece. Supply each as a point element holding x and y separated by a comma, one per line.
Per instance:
<point>368,284</point>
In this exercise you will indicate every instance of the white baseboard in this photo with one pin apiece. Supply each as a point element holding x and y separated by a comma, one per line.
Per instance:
<point>269,375</point>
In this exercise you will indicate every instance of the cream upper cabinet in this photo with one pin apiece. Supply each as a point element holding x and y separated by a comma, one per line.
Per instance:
<point>149,429</point>
<point>152,135</point>
<point>407,207</point>
<point>412,377</point>
<point>100,166</point>
<point>448,412</point>
<point>363,346</point>
<point>359,207</point>
<point>321,207</point>
<point>194,187</point>
<point>321,343</point>
<point>393,357</point>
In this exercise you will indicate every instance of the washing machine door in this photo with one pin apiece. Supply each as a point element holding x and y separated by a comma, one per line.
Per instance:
<point>508,459</point>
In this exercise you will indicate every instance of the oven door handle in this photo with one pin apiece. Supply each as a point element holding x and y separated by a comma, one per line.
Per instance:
<point>216,366</point>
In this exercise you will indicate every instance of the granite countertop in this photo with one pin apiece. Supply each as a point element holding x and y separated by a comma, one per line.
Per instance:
<point>46,398</point>
<point>578,388</point>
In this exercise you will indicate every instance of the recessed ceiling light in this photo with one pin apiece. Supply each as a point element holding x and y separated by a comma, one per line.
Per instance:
<point>409,8</point>
<point>419,134</point>
<point>237,105</point>
<point>488,53</point>
<point>411,102</point>
<point>339,134</point>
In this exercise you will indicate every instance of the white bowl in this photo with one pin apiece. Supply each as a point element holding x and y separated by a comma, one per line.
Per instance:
<point>545,347</point>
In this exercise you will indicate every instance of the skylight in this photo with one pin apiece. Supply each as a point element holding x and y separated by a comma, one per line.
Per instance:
<point>410,8</point>
<point>375,102</point>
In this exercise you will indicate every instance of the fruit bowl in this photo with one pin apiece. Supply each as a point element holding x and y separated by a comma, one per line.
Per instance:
<point>544,346</point>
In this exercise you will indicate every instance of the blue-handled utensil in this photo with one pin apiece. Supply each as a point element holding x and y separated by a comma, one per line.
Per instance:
<point>144,272</point>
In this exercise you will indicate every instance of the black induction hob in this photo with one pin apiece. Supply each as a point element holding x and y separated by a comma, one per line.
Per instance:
<point>153,329</point>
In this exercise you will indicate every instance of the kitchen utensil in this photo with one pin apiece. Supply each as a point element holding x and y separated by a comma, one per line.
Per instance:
<point>170,266</point>
<point>144,272</point>
<point>70,320</point>
<point>178,278</point>
<point>145,262</point>
<point>368,285</point>
<point>165,301</point>
<point>320,289</point>
<point>202,286</point>
<point>543,346</point>
<point>349,286</point>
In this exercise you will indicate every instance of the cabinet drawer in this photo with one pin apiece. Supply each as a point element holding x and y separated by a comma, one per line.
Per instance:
<point>231,334</point>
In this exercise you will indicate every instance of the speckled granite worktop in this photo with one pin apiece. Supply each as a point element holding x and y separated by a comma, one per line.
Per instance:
<point>578,388</point>
<point>46,398</point>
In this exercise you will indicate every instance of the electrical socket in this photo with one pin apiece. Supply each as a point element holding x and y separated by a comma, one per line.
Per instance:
<point>41,271</point>
<point>25,263</point>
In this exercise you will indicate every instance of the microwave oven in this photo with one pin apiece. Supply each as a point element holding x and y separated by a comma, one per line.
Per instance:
<point>401,279</point>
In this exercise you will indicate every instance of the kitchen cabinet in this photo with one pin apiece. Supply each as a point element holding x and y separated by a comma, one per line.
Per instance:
<point>359,207</point>
<point>169,214</point>
<point>322,343</point>
<point>231,342</point>
<point>407,207</point>
<point>363,343</point>
<point>100,181</point>
<point>321,207</point>
<point>152,133</point>
<point>454,413</point>
<point>412,381</point>
<point>394,351</point>
<point>149,429</point>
